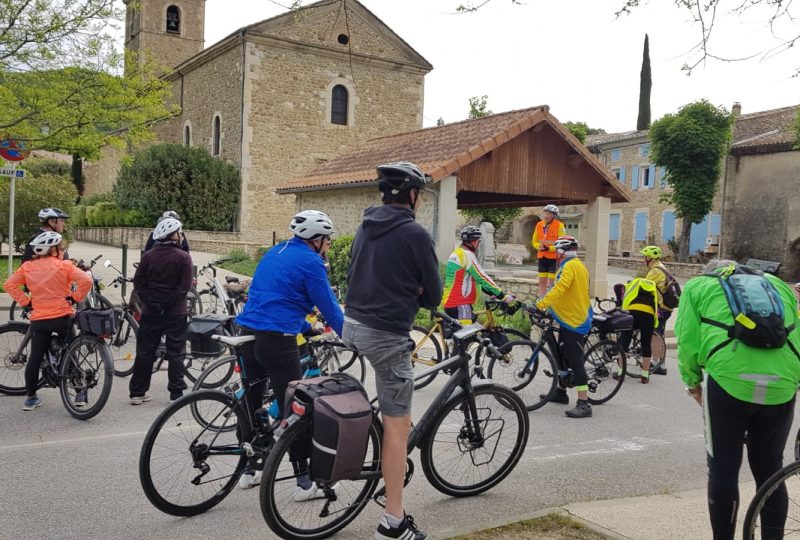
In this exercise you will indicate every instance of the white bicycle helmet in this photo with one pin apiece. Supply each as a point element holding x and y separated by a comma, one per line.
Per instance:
<point>310,224</point>
<point>553,209</point>
<point>166,228</point>
<point>566,243</point>
<point>43,242</point>
<point>52,213</point>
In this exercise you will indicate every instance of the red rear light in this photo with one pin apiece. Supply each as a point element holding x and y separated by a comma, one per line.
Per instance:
<point>298,408</point>
<point>237,369</point>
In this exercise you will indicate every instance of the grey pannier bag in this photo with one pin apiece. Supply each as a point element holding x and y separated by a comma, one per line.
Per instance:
<point>341,417</point>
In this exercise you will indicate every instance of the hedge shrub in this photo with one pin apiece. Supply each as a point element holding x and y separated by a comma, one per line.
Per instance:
<point>31,195</point>
<point>202,189</point>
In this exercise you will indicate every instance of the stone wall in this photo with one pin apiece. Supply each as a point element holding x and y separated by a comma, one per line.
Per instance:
<point>220,243</point>
<point>523,288</point>
<point>762,210</point>
<point>102,173</point>
<point>675,268</point>
<point>147,35</point>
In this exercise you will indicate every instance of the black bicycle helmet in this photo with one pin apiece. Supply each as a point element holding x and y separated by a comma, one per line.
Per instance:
<point>470,233</point>
<point>400,176</point>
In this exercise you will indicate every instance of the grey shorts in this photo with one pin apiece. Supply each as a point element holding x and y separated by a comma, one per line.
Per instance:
<point>390,357</point>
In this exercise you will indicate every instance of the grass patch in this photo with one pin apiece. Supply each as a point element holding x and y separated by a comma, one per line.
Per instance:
<point>4,268</point>
<point>246,267</point>
<point>549,527</point>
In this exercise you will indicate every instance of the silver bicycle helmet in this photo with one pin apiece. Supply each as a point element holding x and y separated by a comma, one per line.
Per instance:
<point>43,242</point>
<point>553,209</point>
<point>52,213</point>
<point>166,228</point>
<point>310,224</point>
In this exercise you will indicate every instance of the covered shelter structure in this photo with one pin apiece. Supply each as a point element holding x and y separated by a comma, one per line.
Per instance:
<point>513,159</point>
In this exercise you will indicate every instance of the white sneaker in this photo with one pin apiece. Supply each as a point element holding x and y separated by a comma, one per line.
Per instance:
<point>138,400</point>
<point>246,481</point>
<point>314,492</point>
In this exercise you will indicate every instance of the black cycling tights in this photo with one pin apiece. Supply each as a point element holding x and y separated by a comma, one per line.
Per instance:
<point>731,424</point>
<point>274,355</point>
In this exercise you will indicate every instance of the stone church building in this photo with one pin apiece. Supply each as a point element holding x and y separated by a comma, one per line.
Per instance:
<point>276,98</point>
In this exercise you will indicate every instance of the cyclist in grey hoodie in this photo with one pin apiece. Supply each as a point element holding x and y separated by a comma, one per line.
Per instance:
<point>393,273</point>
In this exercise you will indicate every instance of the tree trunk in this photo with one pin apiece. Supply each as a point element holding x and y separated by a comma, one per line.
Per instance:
<point>683,241</point>
<point>77,173</point>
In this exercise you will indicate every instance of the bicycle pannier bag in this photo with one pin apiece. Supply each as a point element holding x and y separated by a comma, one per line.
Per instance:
<point>98,322</point>
<point>341,418</point>
<point>615,321</point>
<point>756,308</point>
<point>201,329</point>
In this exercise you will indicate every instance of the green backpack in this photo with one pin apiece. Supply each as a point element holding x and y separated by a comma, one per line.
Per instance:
<point>756,306</point>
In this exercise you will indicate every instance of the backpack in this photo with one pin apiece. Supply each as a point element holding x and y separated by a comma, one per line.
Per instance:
<point>671,295</point>
<point>341,417</point>
<point>756,307</point>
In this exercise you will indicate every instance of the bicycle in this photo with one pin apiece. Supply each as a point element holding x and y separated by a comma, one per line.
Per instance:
<point>470,423</point>
<point>214,298</point>
<point>80,366</point>
<point>786,478</point>
<point>430,344</point>
<point>123,342</point>
<point>326,354</point>
<point>602,359</point>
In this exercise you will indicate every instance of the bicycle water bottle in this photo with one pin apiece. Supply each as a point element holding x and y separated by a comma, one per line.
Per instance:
<point>273,409</point>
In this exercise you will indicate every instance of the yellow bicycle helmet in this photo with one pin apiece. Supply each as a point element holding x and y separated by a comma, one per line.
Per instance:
<point>651,252</point>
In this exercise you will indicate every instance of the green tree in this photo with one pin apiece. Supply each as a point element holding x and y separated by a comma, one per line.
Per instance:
<point>478,107</point>
<point>645,86</point>
<point>691,146</point>
<point>203,190</point>
<point>581,130</point>
<point>496,216</point>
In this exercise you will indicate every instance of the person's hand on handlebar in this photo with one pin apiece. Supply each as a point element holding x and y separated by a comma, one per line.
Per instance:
<point>509,299</point>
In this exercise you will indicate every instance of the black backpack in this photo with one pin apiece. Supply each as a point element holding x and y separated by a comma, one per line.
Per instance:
<point>756,307</point>
<point>671,295</point>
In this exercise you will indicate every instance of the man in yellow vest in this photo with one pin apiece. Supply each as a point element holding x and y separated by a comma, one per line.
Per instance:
<point>545,234</point>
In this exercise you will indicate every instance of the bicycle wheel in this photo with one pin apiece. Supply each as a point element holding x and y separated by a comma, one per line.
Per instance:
<point>788,479</point>
<point>603,361</point>
<point>123,345</point>
<point>316,518</point>
<point>427,352</point>
<point>15,352</point>
<point>87,369</point>
<point>223,371</point>
<point>509,370</point>
<point>16,313</point>
<point>335,356</point>
<point>211,302</point>
<point>464,454</point>
<point>508,334</point>
<point>634,354</point>
<point>659,349</point>
<point>797,446</point>
<point>185,468</point>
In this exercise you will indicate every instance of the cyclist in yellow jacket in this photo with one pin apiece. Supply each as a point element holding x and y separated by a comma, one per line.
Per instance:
<point>463,273</point>
<point>641,301</point>
<point>569,303</point>
<point>658,274</point>
<point>547,231</point>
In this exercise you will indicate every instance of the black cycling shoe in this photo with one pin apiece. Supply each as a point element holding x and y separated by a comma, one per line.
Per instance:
<point>660,371</point>
<point>559,396</point>
<point>407,530</point>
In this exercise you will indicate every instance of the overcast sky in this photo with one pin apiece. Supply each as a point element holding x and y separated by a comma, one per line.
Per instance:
<point>572,55</point>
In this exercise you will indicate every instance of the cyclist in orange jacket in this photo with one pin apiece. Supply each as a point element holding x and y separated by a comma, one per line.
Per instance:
<point>545,234</point>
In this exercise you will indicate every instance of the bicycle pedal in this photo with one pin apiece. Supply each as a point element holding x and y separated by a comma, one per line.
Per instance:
<point>380,497</point>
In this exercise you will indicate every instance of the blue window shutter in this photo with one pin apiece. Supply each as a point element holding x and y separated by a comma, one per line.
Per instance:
<point>651,179</point>
<point>622,174</point>
<point>634,177</point>
<point>615,154</point>
<point>662,177</point>
<point>640,227</point>
<point>715,224</point>
<point>667,226</point>
<point>613,227</point>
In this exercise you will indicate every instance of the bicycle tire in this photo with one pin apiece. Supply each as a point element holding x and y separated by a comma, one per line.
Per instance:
<point>658,347</point>
<point>751,529</point>
<point>78,370</point>
<point>15,312</point>
<point>336,356</point>
<point>601,362</point>
<point>540,381</point>
<point>427,353</point>
<point>494,422</point>
<point>222,486</point>
<point>220,372</point>
<point>797,446</point>
<point>279,477</point>
<point>123,350</point>
<point>659,350</point>
<point>12,367</point>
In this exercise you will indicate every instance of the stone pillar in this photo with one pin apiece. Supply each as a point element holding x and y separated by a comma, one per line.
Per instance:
<point>446,218</point>
<point>596,245</point>
<point>486,253</point>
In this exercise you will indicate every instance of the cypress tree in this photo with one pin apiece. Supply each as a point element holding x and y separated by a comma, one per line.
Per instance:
<point>645,85</point>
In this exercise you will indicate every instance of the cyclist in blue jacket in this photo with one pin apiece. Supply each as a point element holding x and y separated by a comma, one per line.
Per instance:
<point>289,282</point>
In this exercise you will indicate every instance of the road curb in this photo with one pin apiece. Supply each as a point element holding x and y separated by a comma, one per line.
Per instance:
<point>558,510</point>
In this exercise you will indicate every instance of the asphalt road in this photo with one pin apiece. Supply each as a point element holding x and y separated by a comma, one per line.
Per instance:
<point>63,478</point>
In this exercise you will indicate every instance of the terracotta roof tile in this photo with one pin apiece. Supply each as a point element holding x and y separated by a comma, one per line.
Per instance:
<point>765,131</point>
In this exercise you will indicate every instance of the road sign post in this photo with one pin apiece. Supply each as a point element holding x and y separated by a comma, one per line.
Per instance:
<point>12,150</point>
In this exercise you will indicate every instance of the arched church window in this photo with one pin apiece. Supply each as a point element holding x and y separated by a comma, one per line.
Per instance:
<point>339,100</point>
<point>173,20</point>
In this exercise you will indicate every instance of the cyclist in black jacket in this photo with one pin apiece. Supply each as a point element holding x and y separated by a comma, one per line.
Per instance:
<point>151,242</point>
<point>393,273</point>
